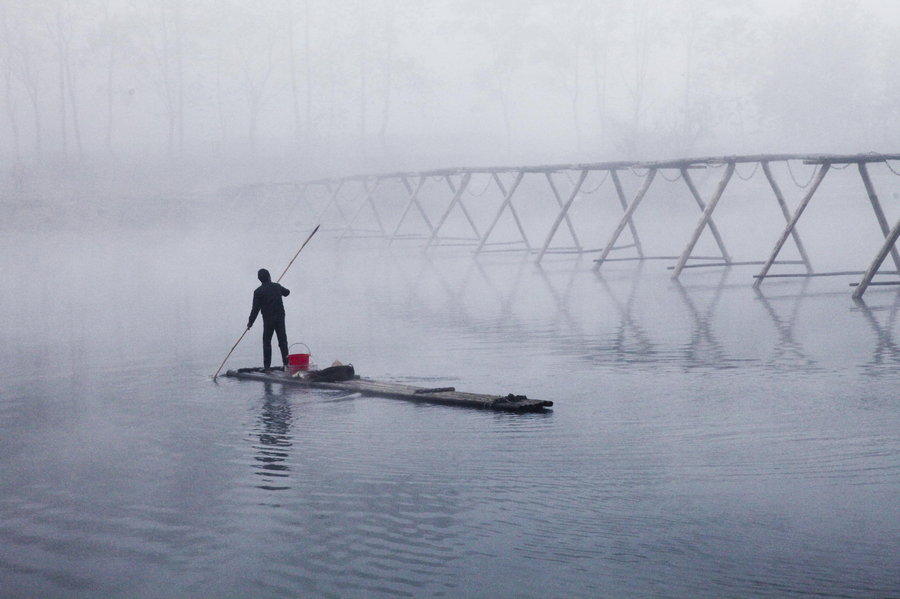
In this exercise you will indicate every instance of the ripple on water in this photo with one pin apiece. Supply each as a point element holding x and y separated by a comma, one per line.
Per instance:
<point>701,445</point>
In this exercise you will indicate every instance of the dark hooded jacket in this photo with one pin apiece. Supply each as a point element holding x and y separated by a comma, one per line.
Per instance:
<point>267,299</point>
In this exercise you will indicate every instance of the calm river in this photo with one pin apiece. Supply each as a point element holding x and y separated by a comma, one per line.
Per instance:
<point>706,441</point>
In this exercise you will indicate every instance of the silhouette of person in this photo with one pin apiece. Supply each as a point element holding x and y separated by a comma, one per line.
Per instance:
<point>267,300</point>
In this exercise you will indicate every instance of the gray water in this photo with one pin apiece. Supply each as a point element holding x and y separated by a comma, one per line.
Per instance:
<point>706,441</point>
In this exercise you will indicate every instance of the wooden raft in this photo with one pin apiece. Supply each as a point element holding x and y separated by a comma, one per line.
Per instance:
<point>364,386</point>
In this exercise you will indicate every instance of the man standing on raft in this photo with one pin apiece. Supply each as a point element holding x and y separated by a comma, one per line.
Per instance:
<point>267,299</point>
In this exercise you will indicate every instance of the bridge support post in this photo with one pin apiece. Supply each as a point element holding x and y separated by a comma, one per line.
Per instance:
<point>332,200</point>
<point>564,211</point>
<point>413,199</point>
<point>367,200</point>
<point>456,198</point>
<point>876,206</point>
<point>823,170</point>
<point>620,192</point>
<point>795,234</point>
<point>706,219</point>
<point>564,207</point>
<point>507,199</point>
<point>301,195</point>
<point>886,248</point>
<point>462,206</point>
<point>626,218</point>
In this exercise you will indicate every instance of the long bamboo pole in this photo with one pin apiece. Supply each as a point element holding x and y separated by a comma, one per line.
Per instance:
<point>278,281</point>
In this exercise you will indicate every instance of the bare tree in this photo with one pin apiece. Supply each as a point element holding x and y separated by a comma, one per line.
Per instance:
<point>308,57</point>
<point>163,40</point>
<point>303,124</point>
<point>642,40</point>
<point>253,36</point>
<point>61,28</point>
<point>388,64</point>
<point>566,46</point>
<point>363,65</point>
<point>109,42</point>
<point>31,82</point>
<point>601,43</point>
<point>290,26</point>
<point>7,57</point>
<point>503,28</point>
<point>825,93</point>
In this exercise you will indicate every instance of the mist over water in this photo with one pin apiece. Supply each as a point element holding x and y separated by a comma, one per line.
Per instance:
<point>705,441</point>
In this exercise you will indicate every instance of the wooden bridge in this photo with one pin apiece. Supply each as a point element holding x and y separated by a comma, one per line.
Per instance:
<point>427,199</point>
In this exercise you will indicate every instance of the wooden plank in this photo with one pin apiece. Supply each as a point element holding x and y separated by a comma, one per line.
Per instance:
<point>839,273</point>
<point>389,390</point>
<point>734,263</point>
<point>877,283</point>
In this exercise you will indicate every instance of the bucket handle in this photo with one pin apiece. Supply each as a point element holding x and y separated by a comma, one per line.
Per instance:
<point>300,343</point>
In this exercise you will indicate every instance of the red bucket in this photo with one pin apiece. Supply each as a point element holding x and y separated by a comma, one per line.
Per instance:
<point>299,362</point>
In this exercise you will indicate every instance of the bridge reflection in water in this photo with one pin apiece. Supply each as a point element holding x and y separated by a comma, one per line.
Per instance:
<point>630,316</point>
<point>274,440</point>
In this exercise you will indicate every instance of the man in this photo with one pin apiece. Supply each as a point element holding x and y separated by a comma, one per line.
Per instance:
<point>267,299</point>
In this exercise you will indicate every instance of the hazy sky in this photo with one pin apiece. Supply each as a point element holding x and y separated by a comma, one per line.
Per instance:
<point>406,83</point>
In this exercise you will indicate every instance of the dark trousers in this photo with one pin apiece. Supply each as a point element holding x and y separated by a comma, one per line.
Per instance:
<point>276,325</point>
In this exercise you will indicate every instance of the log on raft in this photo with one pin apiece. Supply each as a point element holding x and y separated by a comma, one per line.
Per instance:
<point>365,386</point>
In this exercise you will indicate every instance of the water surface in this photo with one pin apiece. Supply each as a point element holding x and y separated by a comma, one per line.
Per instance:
<point>706,441</point>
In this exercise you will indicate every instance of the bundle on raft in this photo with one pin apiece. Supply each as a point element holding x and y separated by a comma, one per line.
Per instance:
<point>364,386</point>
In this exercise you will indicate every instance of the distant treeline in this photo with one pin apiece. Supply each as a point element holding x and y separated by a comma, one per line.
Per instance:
<point>553,80</point>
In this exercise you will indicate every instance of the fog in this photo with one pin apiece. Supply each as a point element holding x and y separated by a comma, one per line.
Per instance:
<point>707,439</point>
<point>296,89</point>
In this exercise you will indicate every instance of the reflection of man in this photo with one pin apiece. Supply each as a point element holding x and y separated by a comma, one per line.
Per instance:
<point>267,299</point>
<point>274,441</point>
